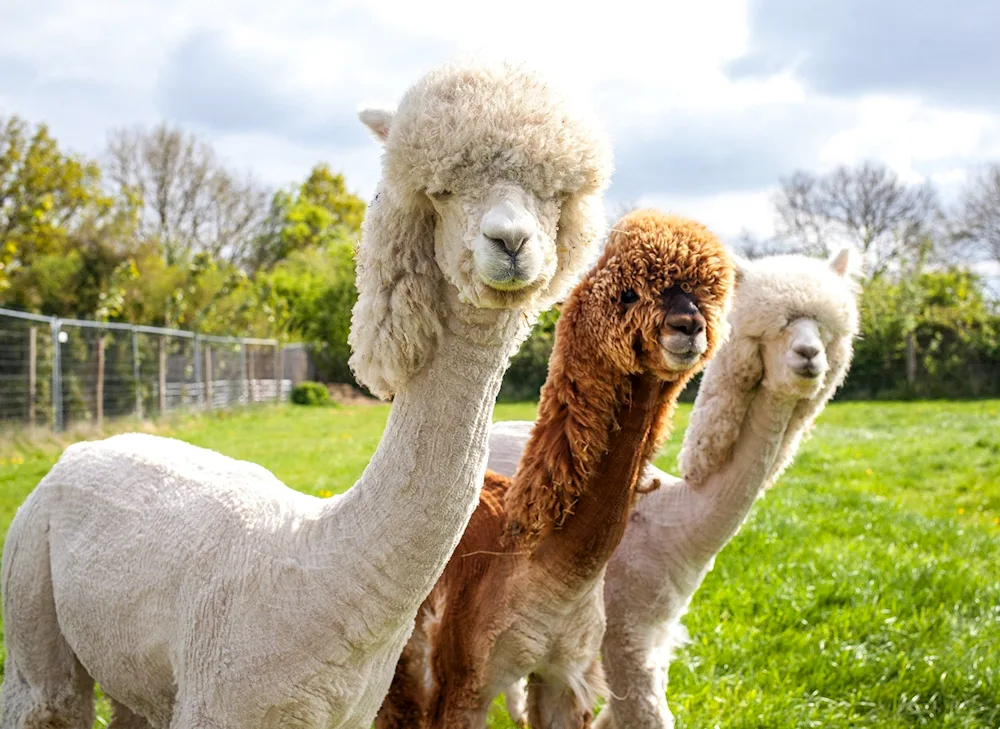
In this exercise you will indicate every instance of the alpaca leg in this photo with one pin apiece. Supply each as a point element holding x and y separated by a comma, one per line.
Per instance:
<point>554,705</point>
<point>637,688</point>
<point>455,703</point>
<point>457,710</point>
<point>517,703</point>
<point>44,687</point>
<point>63,700</point>
<point>403,706</point>
<point>123,718</point>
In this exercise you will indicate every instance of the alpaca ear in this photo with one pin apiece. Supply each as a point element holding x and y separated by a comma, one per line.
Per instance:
<point>378,121</point>
<point>845,263</point>
<point>741,266</point>
<point>396,322</point>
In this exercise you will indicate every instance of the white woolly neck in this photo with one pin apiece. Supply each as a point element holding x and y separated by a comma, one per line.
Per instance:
<point>390,536</point>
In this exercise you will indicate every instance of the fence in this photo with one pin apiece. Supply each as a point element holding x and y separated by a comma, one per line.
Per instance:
<point>57,372</point>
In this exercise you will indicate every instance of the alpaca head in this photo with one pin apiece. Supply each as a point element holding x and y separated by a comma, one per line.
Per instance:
<point>490,198</point>
<point>655,302</point>
<point>793,323</point>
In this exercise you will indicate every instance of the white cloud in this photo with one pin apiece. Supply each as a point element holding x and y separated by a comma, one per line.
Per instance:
<point>726,214</point>
<point>275,87</point>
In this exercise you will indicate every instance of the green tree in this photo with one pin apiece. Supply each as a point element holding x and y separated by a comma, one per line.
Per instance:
<point>319,212</point>
<point>938,324</point>
<point>61,235</point>
<point>310,295</point>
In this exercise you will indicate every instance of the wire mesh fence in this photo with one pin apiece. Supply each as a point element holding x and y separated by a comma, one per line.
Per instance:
<point>58,372</point>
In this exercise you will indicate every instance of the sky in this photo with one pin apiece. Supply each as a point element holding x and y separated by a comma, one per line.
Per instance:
<point>708,103</point>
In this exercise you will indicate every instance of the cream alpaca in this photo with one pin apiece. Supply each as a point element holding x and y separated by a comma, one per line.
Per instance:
<point>793,323</point>
<point>199,590</point>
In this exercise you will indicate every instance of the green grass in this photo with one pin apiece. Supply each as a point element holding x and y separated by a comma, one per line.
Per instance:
<point>863,592</point>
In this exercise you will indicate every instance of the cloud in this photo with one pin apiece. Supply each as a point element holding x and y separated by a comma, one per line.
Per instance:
<point>708,104</point>
<point>299,88</point>
<point>221,89</point>
<point>945,52</point>
<point>708,153</point>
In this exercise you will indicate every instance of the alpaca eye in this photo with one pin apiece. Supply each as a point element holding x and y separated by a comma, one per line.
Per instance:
<point>630,297</point>
<point>441,195</point>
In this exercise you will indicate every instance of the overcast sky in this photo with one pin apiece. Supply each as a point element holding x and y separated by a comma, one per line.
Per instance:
<point>708,103</point>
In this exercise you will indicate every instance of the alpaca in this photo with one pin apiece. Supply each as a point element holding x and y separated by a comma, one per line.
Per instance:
<point>793,323</point>
<point>201,592</point>
<point>522,593</point>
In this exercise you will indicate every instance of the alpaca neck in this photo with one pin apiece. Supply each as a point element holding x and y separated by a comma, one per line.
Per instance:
<point>397,527</point>
<point>578,551</point>
<point>715,510</point>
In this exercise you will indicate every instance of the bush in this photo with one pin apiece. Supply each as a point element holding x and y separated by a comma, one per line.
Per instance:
<point>530,366</point>
<point>310,393</point>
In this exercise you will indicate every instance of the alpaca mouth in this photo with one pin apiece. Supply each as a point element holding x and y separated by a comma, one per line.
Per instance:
<point>682,352</point>
<point>505,273</point>
<point>808,371</point>
<point>681,360</point>
<point>512,282</point>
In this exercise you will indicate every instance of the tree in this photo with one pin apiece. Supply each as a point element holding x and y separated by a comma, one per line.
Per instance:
<point>320,211</point>
<point>753,246</point>
<point>61,235</point>
<point>939,326</point>
<point>868,207</point>
<point>190,202</point>
<point>311,294</point>
<point>978,216</point>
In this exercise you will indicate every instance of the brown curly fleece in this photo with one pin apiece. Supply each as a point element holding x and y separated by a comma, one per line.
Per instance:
<point>604,409</point>
<point>598,347</point>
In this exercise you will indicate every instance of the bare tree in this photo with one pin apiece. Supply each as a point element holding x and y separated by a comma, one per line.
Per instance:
<point>978,216</point>
<point>753,246</point>
<point>189,201</point>
<point>866,206</point>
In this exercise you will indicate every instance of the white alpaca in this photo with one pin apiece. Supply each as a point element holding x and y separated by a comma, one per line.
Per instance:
<point>793,323</point>
<point>201,592</point>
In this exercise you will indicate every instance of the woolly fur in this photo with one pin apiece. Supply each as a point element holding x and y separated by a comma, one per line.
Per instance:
<point>467,125</point>
<point>770,296</point>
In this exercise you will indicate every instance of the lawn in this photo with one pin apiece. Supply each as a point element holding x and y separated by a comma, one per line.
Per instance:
<point>863,592</point>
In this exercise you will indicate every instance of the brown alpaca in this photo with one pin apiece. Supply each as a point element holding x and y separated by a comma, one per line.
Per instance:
<point>522,593</point>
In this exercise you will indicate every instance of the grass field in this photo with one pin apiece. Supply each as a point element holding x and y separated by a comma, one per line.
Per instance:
<point>863,592</point>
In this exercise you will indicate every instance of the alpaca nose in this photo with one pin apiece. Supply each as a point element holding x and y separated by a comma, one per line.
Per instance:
<point>689,324</point>
<point>807,351</point>
<point>507,227</point>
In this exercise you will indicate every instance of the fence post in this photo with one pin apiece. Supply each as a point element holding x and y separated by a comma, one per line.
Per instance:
<point>243,373</point>
<point>32,373</point>
<point>197,371</point>
<point>208,376</point>
<point>279,371</point>
<point>252,376</point>
<point>57,413</point>
<point>135,373</point>
<point>99,388</point>
<point>162,373</point>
